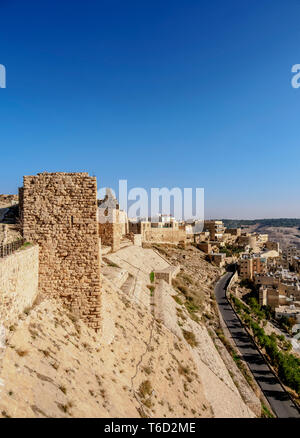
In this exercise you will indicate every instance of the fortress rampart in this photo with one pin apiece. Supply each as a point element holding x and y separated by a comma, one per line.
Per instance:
<point>58,211</point>
<point>18,283</point>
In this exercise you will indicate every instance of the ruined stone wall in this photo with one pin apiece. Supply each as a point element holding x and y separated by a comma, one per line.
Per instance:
<point>8,200</point>
<point>273,298</point>
<point>21,197</point>
<point>136,239</point>
<point>135,227</point>
<point>164,235</point>
<point>109,227</point>
<point>110,235</point>
<point>59,213</point>
<point>124,222</point>
<point>205,247</point>
<point>18,283</point>
<point>167,274</point>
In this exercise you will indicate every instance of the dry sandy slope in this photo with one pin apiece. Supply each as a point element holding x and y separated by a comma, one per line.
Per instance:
<point>219,387</point>
<point>218,384</point>
<point>54,366</point>
<point>49,369</point>
<point>199,277</point>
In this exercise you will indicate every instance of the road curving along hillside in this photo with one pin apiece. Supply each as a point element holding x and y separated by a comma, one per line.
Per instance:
<point>276,395</point>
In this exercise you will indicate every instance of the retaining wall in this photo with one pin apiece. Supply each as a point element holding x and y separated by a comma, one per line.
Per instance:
<point>18,283</point>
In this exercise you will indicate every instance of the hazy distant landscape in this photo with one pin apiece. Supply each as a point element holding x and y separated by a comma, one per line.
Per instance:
<point>284,230</point>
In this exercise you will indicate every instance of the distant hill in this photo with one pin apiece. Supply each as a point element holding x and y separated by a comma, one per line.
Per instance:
<point>282,222</point>
<point>284,230</point>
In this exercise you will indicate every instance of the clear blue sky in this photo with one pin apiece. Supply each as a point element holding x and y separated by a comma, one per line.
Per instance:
<point>162,93</point>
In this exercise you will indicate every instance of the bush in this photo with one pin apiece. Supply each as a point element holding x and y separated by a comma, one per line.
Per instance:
<point>145,388</point>
<point>190,338</point>
<point>177,299</point>
<point>191,307</point>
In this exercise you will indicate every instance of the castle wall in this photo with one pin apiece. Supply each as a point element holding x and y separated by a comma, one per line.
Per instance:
<point>123,222</point>
<point>167,274</point>
<point>8,200</point>
<point>205,247</point>
<point>110,228</point>
<point>59,213</point>
<point>136,239</point>
<point>164,235</point>
<point>18,283</point>
<point>110,235</point>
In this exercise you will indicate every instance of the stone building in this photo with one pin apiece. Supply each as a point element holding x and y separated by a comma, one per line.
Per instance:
<point>272,246</point>
<point>246,268</point>
<point>159,231</point>
<point>234,231</point>
<point>250,266</point>
<point>248,240</point>
<point>8,200</point>
<point>58,211</point>
<point>296,264</point>
<point>205,247</point>
<point>218,259</point>
<point>109,224</point>
<point>202,237</point>
<point>270,296</point>
<point>139,227</point>
<point>215,228</point>
<point>164,235</point>
<point>123,218</point>
<point>290,252</point>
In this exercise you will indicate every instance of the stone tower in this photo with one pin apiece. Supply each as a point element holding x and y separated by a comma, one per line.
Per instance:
<point>59,212</point>
<point>110,229</point>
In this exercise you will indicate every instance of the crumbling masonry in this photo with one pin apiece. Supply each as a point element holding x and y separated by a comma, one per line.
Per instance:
<point>110,228</point>
<point>58,211</point>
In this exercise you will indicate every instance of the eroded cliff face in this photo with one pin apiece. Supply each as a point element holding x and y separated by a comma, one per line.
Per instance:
<point>142,363</point>
<point>55,367</point>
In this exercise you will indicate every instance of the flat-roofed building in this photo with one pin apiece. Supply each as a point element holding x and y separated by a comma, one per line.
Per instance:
<point>215,228</point>
<point>246,268</point>
<point>290,252</point>
<point>249,266</point>
<point>218,259</point>
<point>270,296</point>
<point>296,264</point>
<point>138,227</point>
<point>290,311</point>
<point>248,240</point>
<point>234,231</point>
<point>273,246</point>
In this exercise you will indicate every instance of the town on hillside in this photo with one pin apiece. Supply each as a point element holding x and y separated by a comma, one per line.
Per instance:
<point>275,272</point>
<point>59,242</point>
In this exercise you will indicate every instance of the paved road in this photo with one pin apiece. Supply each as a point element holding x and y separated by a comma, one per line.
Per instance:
<point>278,398</point>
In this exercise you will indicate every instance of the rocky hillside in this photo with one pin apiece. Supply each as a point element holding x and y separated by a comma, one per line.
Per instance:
<point>159,353</point>
<point>284,231</point>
